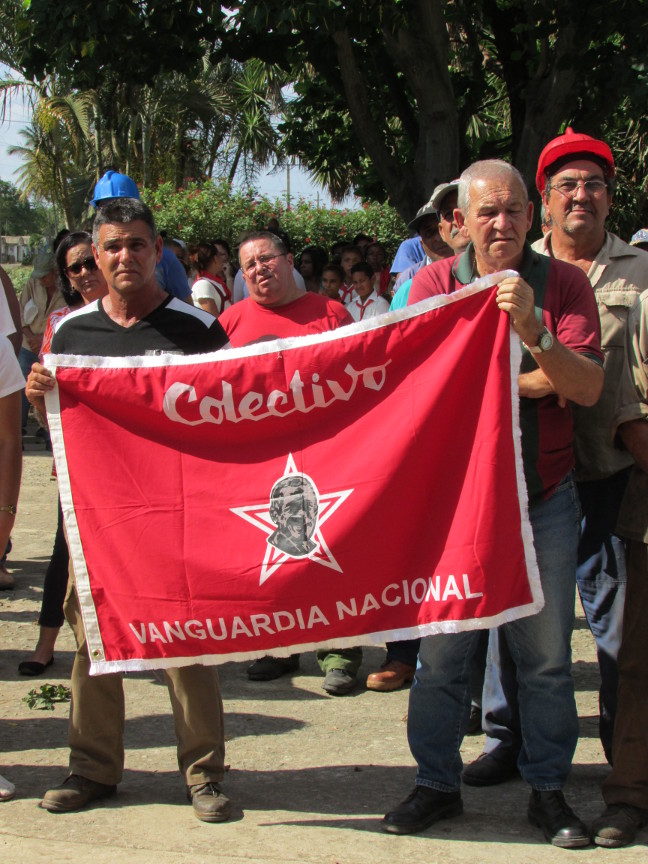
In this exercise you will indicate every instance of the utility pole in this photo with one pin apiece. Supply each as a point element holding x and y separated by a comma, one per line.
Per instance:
<point>288,186</point>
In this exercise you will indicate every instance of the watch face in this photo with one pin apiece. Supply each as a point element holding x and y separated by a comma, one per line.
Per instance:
<point>546,341</point>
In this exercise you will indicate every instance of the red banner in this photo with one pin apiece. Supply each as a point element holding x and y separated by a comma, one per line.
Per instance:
<point>344,488</point>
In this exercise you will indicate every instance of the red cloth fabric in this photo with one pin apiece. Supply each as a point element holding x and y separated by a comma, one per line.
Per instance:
<point>50,328</point>
<point>385,279</point>
<point>174,484</point>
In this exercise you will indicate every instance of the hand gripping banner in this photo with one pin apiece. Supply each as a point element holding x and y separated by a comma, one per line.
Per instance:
<point>338,489</point>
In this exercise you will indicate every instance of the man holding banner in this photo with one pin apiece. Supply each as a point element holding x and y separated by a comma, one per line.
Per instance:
<point>561,361</point>
<point>137,317</point>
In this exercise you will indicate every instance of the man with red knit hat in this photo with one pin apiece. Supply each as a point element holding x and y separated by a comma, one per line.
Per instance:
<point>576,179</point>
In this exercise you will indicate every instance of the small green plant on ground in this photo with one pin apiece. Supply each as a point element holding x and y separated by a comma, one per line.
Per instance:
<point>47,694</point>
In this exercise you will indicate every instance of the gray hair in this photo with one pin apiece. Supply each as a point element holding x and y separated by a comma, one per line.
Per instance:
<point>486,169</point>
<point>121,211</point>
<point>277,242</point>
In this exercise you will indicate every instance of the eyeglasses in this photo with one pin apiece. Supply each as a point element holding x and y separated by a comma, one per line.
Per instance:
<point>447,215</point>
<point>75,269</point>
<point>568,187</point>
<point>261,261</point>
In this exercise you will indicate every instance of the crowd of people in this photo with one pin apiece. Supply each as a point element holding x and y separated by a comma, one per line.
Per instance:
<point>578,302</point>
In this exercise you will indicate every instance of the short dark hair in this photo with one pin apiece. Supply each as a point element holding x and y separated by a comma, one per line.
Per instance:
<point>317,255</point>
<point>121,211</point>
<point>363,267</point>
<point>335,268</point>
<point>69,241</point>
<point>276,241</point>
<point>351,248</point>
<point>56,242</point>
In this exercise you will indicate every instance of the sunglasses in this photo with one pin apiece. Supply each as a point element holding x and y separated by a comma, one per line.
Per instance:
<point>75,269</point>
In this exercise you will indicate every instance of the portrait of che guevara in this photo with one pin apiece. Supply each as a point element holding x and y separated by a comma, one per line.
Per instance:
<point>293,509</point>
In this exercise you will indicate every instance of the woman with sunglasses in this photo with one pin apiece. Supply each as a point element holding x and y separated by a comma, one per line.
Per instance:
<point>81,282</point>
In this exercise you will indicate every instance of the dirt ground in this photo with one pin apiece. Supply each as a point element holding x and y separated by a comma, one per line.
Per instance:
<point>311,776</point>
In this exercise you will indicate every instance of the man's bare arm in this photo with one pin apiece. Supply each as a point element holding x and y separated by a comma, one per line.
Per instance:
<point>10,462</point>
<point>14,309</point>
<point>634,435</point>
<point>39,381</point>
<point>574,376</point>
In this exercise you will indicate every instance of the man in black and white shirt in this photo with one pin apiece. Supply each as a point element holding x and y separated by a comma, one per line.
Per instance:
<point>136,317</point>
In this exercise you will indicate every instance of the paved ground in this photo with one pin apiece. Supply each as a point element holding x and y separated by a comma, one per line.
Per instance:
<point>310,778</point>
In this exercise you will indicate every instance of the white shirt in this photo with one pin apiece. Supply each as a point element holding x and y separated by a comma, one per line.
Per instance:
<point>11,378</point>
<point>374,305</point>
<point>207,289</point>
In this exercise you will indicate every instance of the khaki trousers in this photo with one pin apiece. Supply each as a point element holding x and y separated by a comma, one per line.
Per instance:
<point>96,731</point>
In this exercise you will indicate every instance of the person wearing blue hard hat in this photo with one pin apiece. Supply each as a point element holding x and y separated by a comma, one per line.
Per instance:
<point>169,272</point>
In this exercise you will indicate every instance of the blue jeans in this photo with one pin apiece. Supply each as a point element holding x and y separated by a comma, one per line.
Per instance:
<point>540,645</point>
<point>601,580</point>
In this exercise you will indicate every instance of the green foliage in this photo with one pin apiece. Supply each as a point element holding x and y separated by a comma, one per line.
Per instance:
<point>141,39</point>
<point>207,211</point>
<point>44,698</point>
<point>17,215</point>
<point>18,275</point>
<point>389,97</point>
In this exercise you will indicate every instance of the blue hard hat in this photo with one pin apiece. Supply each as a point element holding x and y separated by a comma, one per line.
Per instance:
<point>114,185</point>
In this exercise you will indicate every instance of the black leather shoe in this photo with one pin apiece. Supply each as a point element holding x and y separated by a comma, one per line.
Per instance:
<point>561,826</point>
<point>486,770</point>
<point>268,668</point>
<point>421,809</point>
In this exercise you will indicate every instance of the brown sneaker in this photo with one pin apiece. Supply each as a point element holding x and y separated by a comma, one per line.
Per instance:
<point>209,803</point>
<point>75,793</point>
<point>392,676</point>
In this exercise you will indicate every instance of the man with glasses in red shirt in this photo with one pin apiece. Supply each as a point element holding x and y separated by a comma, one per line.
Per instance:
<point>276,309</point>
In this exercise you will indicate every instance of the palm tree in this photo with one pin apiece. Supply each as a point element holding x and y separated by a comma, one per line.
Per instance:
<point>56,150</point>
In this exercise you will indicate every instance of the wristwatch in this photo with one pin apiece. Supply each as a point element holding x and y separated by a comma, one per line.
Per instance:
<point>544,343</point>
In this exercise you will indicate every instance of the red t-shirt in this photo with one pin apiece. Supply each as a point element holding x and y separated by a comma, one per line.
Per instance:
<point>247,322</point>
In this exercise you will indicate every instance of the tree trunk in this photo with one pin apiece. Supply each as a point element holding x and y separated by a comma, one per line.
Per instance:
<point>146,138</point>
<point>98,148</point>
<point>235,164</point>
<point>420,53</point>
<point>179,163</point>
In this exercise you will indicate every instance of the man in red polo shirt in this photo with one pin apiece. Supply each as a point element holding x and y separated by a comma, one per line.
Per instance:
<point>276,309</point>
<point>561,361</point>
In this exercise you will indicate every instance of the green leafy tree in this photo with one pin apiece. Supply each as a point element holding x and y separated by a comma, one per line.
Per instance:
<point>206,211</point>
<point>408,92</point>
<point>17,215</point>
<point>391,96</point>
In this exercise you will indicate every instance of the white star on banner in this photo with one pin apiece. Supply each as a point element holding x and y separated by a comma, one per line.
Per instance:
<point>259,516</point>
